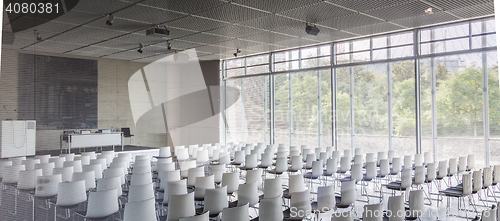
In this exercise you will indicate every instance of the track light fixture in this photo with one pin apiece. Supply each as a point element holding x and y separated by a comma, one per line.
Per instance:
<point>140,48</point>
<point>110,20</point>
<point>312,30</point>
<point>169,46</point>
<point>237,52</point>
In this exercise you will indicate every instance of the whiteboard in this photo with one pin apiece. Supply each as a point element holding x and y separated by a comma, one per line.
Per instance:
<point>18,138</point>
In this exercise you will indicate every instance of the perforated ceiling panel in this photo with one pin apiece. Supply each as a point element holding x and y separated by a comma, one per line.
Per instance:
<point>217,27</point>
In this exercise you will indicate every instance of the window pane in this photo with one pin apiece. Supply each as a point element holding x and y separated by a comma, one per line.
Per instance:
<point>343,109</point>
<point>305,109</point>
<point>235,63</point>
<point>261,59</point>
<point>235,72</point>
<point>494,106</point>
<point>258,69</point>
<point>361,56</point>
<point>309,52</point>
<point>234,110</point>
<point>255,122</point>
<point>361,45</point>
<point>325,50</point>
<point>326,109</point>
<point>379,42</point>
<point>399,52</point>
<point>281,109</point>
<point>403,108</point>
<point>370,108</point>
<point>380,54</point>
<point>402,39</point>
<point>291,65</point>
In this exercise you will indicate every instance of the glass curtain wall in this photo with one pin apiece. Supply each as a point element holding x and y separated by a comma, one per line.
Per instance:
<point>362,94</point>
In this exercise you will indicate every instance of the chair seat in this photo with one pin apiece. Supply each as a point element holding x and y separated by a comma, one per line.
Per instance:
<point>273,171</point>
<point>246,168</point>
<point>453,192</point>
<point>309,175</point>
<point>395,186</point>
<point>263,166</point>
<point>314,207</point>
<point>84,214</point>
<point>199,211</point>
<point>338,199</point>
<point>325,173</point>
<point>292,170</point>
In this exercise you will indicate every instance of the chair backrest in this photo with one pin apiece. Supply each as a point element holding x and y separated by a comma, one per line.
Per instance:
<point>272,188</point>
<point>121,164</point>
<point>165,152</point>
<point>84,158</point>
<point>29,164</point>
<point>140,161</point>
<point>224,158</point>
<point>345,164</point>
<point>231,180</point>
<point>326,197</point>
<point>452,169</point>
<point>281,164</point>
<point>357,172</point>
<point>184,166</point>
<point>251,161</point>
<point>202,217</point>
<point>96,168</point>
<point>270,209</point>
<point>71,193</point>
<point>406,178</point>
<point>202,156</point>
<point>110,183</point>
<point>202,184</point>
<point>487,177</point>
<point>358,159</point>
<point>193,173</point>
<point>310,159</point>
<point>76,164</point>
<point>396,165</point>
<point>11,173</point>
<point>112,172</point>
<point>165,166</point>
<point>428,158</point>
<point>4,163</point>
<point>396,208</point>
<point>337,154</point>
<point>384,168</point>
<point>141,210</point>
<point>371,170</point>
<point>331,166</point>
<point>88,177</point>
<point>182,154</point>
<point>373,212</point>
<point>477,180</point>
<point>266,159</point>
<point>419,175</point>
<point>217,170</point>
<point>46,168</point>
<point>390,155</point>
<point>46,186</point>
<point>416,203</point>
<point>68,156</point>
<point>324,157</point>
<point>431,172</point>
<point>347,153</point>
<point>347,193</point>
<point>281,154</point>
<point>419,159</point>
<point>471,162</point>
<point>462,164</point>
<point>215,200</point>
<point>28,178</point>
<point>99,161</point>
<point>296,183</point>
<point>141,178</point>
<point>254,176</point>
<point>181,206</point>
<point>102,204</point>
<point>496,174</point>
<point>466,184</point>
<point>294,153</point>
<point>317,168</point>
<point>358,151</point>
<point>66,173</point>
<point>381,156</point>
<point>174,188</point>
<point>239,157</point>
<point>489,214</point>
<point>301,202</point>
<point>370,157</point>
<point>296,163</point>
<point>43,158</point>
<point>248,193</point>
<point>140,192</point>
<point>236,213</point>
<point>443,169</point>
<point>408,162</point>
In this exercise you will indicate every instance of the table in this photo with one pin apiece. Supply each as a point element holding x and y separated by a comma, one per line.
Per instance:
<point>94,140</point>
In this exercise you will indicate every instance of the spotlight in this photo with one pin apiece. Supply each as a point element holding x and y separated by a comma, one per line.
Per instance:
<point>429,11</point>
<point>110,20</point>
<point>169,46</point>
<point>140,48</point>
<point>237,52</point>
<point>312,30</point>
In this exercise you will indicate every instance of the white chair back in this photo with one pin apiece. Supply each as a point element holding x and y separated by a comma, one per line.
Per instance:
<point>180,206</point>
<point>102,204</point>
<point>141,210</point>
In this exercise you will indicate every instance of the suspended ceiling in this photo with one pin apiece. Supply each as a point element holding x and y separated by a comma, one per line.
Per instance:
<point>216,28</point>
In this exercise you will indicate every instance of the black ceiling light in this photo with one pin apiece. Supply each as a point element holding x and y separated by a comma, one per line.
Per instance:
<point>140,48</point>
<point>312,30</point>
<point>110,20</point>
<point>38,36</point>
<point>237,52</point>
<point>169,46</point>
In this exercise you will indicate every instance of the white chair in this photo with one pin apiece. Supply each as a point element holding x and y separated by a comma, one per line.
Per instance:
<point>358,159</point>
<point>462,164</point>
<point>231,180</point>
<point>193,173</point>
<point>70,195</point>
<point>370,157</point>
<point>164,152</point>
<point>113,172</point>
<point>217,170</point>
<point>301,202</point>
<point>390,155</point>
<point>250,162</point>
<point>202,157</point>
<point>11,173</point>
<point>184,166</point>
<point>100,161</point>
<point>331,167</point>
<point>272,188</point>
<point>29,164</point>
<point>96,168</point>
<point>110,183</point>
<point>270,209</point>
<point>471,162</point>
<point>248,194</point>
<point>141,169</point>
<point>419,160</point>
<point>88,177</point>
<point>165,166</point>
<point>47,186</point>
<point>348,154</point>
<point>202,217</point>
<point>215,201</point>
<point>182,154</point>
<point>43,158</point>
<point>295,184</point>
<point>47,168</point>
<point>239,158</point>
<point>345,165</point>
<point>180,206</point>
<point>405,182</point>
<point>408,162</point>
<point>101,204</point>
<point>416,204</point>
<point>28,178</point>
<point>326,198</point>
<point>254,176</point>
<point>140,210</point>
<point>309,160</point>
<point>85,159</point>
<point>140,192</point>
<point>396,166</point>
<point>66,173</point>
<point>428,158</point>
<point>281,166</point>
<point>141,179</point>
<point>239,213</point>
<point>176,187</point>
<point>68,156</point>
<point>4,163</point>
<point>381,156</point>
<point>347,194</point>
<point>77,165</point>
<point>396,208</point>
<point>373,212</point>
<point>201,185</point>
